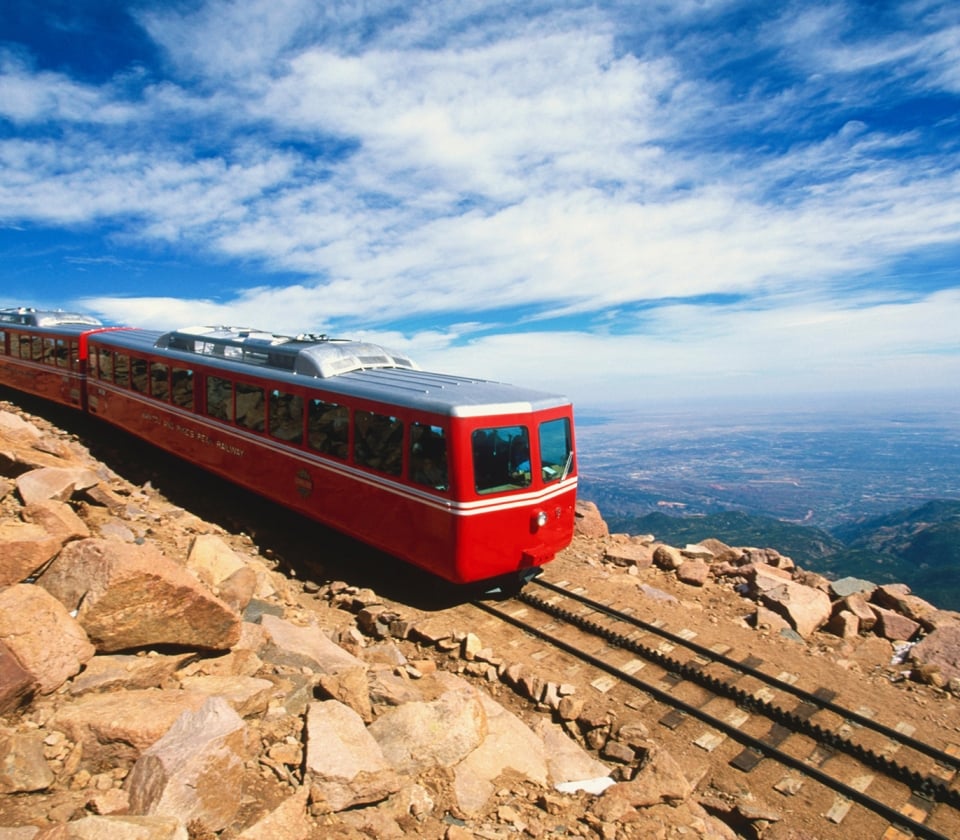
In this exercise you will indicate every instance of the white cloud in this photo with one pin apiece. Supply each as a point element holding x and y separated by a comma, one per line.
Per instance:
<point>410,162</point>
<point>707,353</point>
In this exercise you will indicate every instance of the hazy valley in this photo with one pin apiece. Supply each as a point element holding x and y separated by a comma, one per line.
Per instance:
<point>842,493</point>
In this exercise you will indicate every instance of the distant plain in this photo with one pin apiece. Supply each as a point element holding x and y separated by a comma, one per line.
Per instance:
<point>842,490</point>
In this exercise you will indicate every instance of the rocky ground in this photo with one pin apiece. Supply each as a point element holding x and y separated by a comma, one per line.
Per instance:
<point>194,663</point>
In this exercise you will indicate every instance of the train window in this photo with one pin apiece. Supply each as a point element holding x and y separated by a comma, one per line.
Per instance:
<point>250,406</point>
<point>220,398</point>
<point>62,353</point>
<point>3,343</point>
<point>25,349</point>
<point>286,417</point>
<point>121,369</point>
<point>138,375</point>
<point>328,428</point>
<point>105,364</point>
<point>428,456</point>
<point>556,452</point>
<point>49,351</point>
<point>378,442</point>
<point>182,388</point>
<point>36,348</point>
<point>501,459</point>
<point>159,381</point>
<point>75,355</point>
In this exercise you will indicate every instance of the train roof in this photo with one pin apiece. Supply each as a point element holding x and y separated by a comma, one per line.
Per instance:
<point>31,317</point>
<point>350,368</point>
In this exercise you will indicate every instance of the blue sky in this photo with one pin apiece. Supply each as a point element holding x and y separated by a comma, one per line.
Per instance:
<point>624,202</point>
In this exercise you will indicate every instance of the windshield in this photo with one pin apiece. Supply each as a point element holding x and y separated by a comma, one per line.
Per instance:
<point>556,451</point>
<point>501,459</point>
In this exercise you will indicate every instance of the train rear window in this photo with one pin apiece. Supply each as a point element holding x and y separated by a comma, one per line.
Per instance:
<point>501,459</point>
<point>3,343</point>
<point>556,450</point>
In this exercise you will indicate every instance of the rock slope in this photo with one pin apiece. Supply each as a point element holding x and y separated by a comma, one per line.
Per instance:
<point>160,678</point>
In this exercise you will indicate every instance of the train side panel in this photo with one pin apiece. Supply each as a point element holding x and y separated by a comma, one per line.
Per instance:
<point>408,520</point>
<point>389,515</point>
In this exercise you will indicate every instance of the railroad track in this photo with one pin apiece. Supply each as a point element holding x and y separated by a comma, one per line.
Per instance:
<point>790,710</point>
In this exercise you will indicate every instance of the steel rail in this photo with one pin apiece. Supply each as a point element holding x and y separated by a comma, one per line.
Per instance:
<point>759,746</point>
<point>929,750</point>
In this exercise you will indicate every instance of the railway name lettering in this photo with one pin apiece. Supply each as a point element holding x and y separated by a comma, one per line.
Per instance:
<point>229,447</point>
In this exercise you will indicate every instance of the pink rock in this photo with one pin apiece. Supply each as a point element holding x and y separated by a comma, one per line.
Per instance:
<point>117,727</point>
<point>344,760</point>
<point>693,572</point>
<point>26,549</point>
<point>37,629</point>
<point>893,626</point>
<point>660,780</point>
<point>630,554</point>
<point>195,771</point>
<point>806,609</point>
<point>288,820</point>
<point>58,483</point>
<point>941,649</point>
<point>588,522</point>
<point>132,596</point>
<point>23,768</point>
<point>57,518</point>
<point>298,646</point>
<point>16,684</point>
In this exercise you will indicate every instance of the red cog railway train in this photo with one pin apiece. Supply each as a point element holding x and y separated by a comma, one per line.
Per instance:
<point>468,479</point>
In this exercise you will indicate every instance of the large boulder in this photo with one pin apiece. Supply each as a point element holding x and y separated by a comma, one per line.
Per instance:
<point>587,520</point>
<point>26,549</point>
<point>509,745</point>
<point>305,647</point>
<point>195,771</point>
<point>22,765</point>
<point>130,596</point>
<point>117,727</point>
<point>46,640</point>
<point>58,483</point>
<point>939,653</point>
<point>347,767</point>
<point>429,733</point>
<point>807,609</point>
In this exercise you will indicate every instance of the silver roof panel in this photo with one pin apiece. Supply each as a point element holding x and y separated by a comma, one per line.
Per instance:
<point>409,387</point>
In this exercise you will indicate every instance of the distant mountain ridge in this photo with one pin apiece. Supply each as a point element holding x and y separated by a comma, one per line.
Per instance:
<point>919,546</point>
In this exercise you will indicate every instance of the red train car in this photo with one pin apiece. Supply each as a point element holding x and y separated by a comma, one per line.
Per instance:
<point>465,478</point>
<point>45,353</point>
